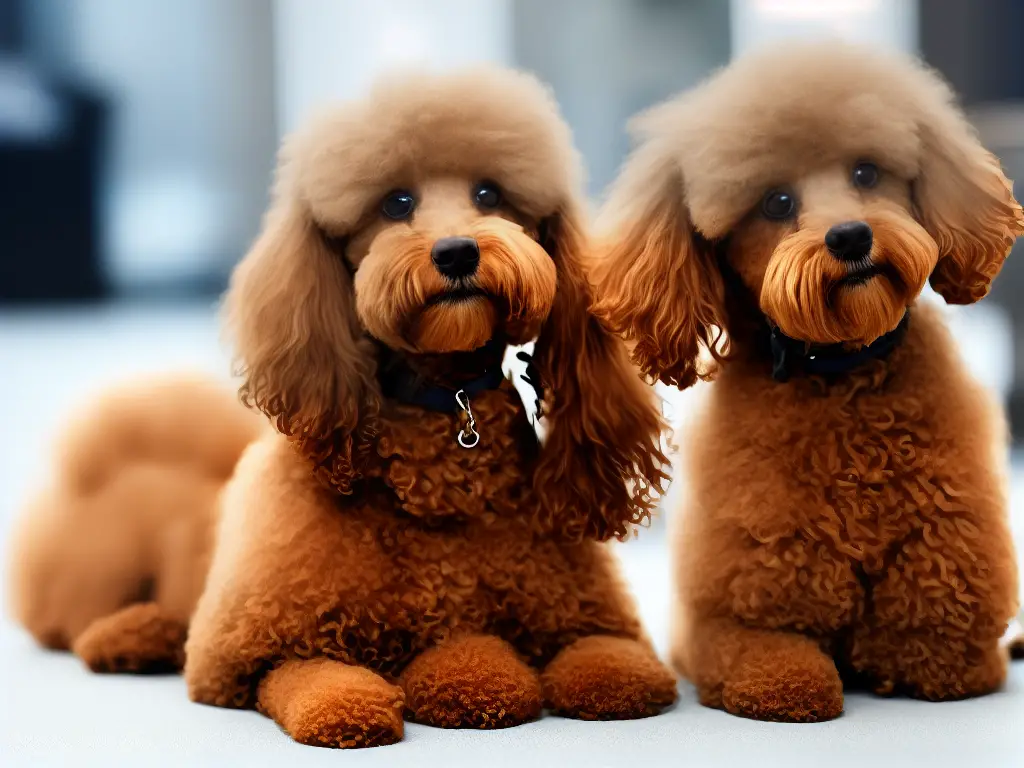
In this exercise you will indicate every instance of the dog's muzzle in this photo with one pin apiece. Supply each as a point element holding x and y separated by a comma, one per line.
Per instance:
<point>849,241</point>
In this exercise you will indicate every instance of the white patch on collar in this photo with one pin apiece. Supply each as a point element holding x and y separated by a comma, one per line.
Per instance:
<point>515,369</point>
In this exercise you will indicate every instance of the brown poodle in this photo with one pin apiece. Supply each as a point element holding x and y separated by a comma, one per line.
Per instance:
<point>110,560</point>
<point>847,518</point>
<point>402,544</point>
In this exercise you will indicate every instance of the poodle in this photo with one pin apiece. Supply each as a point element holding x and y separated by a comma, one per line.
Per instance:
<point>110,559</point>
<point>400,544</point>
<point>846,516</point>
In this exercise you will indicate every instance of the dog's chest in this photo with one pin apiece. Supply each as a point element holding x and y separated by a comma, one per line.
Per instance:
<point>437,582</point>
<point>433,475</point>
<point>451,531</point>
<point>871,461</point>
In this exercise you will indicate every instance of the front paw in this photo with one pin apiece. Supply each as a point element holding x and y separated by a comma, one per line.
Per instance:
<point>324,703</point>
<point>471,682</point>
<point>608,678</point>
<point>802,687</point>
<point>136,639</point>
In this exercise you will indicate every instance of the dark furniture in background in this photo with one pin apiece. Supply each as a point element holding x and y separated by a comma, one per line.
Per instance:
<point>51,159</point>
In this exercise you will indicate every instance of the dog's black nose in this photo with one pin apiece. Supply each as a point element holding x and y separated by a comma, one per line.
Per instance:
<point>456,257</point>
<point>849,241</point>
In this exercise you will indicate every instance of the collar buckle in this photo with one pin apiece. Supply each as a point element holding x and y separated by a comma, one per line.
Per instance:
<point>468,437</point>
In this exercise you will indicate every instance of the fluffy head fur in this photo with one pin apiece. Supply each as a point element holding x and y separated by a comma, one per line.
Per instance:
<point>799,119</point>
<point>331,281</point>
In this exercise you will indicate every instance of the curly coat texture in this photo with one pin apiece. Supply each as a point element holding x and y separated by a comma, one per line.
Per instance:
<point>368,565</point>
<point>849,528</point>
<point>110,559</point>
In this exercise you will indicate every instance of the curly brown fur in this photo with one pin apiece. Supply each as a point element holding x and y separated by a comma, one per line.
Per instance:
<point>608,678</point>
<point>854,524</point>
<point>128,518</point>
<point>477,681</point>
<point>325,703</point>
<point>364,533</point>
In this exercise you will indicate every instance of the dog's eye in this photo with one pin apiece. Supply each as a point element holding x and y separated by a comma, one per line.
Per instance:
<point>487,195</point>
<point>398,205</point>
<point>865,175</point>
<point>778,204</point>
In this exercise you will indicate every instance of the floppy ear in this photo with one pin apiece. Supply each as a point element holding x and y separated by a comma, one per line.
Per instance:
<point>660,287</point>
<point>965,203</point>
<point>600,471</point>
<point>299,347</point>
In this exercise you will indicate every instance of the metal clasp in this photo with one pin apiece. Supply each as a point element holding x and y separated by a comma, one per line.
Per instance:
<point>468,437</point>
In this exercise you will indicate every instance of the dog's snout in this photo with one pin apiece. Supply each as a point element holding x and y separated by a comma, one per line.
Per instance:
<point>456,257</point>
<point>849,241</point>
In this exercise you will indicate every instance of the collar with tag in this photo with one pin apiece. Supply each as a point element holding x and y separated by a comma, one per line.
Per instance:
<point>790,356</point>
<point>400,382</point>
<point>407,387</point>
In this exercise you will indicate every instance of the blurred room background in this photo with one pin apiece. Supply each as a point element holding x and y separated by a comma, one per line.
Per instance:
<point>137,141</point>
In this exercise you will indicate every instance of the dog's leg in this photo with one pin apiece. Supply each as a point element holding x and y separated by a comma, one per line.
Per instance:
<point>325,703</point>
<point>763,674</point>
<point>141,638</point>
<point>927,662</point>
<point>476,681</point>
<point>608,678</point>
<point>938,614</point>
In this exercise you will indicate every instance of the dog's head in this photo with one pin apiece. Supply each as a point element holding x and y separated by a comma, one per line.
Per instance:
<point>431,217</point>
<point>834,181</point>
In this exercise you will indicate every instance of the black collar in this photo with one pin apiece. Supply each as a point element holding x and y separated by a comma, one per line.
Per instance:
<point>791,355</point>
<point>400,382</point>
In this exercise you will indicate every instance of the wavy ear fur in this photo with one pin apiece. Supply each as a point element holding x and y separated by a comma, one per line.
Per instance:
<point>291,314</point>
<point>601,469</point>
<point>660,287</point>
<point>965,202</point>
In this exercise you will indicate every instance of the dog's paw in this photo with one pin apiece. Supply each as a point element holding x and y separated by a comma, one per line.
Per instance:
<point>137,639</point>
<point>803,689</point>
<point>325,703</point>
<point>608,678</point>
<point>472,682</point>
<point>346,719</point>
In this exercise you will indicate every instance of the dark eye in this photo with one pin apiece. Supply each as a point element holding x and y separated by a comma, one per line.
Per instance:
<point>865,175</point>
<point>487,195</point>
<point>398,205</point>
<point>778,204</point>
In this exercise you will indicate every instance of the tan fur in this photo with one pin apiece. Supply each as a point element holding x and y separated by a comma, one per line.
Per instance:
<point>128,516</point>
<point>844,528</point>
<point>347,159</point>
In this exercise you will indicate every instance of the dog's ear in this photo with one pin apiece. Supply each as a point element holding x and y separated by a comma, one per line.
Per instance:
<point>601,469</point>
<point>659,284</point>
<point>965,203</point>
<point>290,311</point>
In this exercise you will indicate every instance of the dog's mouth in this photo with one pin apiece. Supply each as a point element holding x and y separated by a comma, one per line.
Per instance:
<point>860,273</point>
<point>462,293</point>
